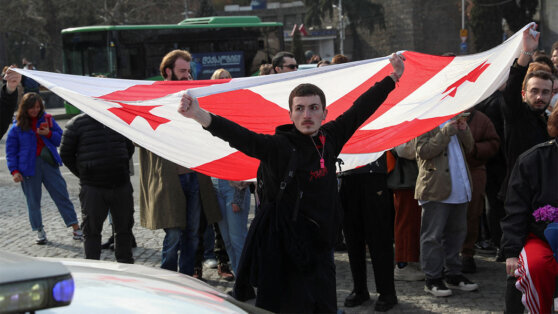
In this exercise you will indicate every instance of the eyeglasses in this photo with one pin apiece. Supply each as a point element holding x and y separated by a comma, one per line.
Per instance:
<point>290,66</point>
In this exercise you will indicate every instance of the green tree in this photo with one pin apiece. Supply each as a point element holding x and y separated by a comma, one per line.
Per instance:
<point>206,9</point>
<point>26,25</point>
<point>362,14</point>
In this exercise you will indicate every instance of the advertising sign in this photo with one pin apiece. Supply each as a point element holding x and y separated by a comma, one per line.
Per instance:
<point>204,64</point>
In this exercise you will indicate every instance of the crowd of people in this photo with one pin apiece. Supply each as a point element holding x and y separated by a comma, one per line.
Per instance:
<point>418,208</point>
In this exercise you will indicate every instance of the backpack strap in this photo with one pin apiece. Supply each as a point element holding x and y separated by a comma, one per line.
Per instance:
<point>289,175</point>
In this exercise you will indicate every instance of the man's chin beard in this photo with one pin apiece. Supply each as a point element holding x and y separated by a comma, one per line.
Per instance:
<point>539,110</point>
<point>175,78</point>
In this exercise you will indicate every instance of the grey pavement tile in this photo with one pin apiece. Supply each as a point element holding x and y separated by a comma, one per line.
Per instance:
<point>16,236</point>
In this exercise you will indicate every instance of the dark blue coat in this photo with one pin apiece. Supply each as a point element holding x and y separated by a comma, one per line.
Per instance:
<point>21,147</point>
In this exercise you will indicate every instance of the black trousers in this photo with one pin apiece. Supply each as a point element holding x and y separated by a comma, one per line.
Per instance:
<point>368,220</point>
<point>220,251</point>
<point>95,205</point>
<point>513,296</point>
<point>495,174</point>
<point>310,292</point>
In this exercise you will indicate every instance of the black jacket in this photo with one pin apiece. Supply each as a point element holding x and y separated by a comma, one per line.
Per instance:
<point>96,154</point>
<point>263,263</point>
<point>533,184</point>
<point>8,104</point>
<point>523,128</point>
<point>320,198</point>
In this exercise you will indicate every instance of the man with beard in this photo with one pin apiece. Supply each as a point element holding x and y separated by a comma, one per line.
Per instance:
<point>169,193</point>
<point>524,127</point>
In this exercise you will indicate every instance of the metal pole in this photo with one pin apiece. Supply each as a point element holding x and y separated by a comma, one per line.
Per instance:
<point>462,14</point>
<point>341,27</point>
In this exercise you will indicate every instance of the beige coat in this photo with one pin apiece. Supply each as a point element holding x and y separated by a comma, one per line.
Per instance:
<point>434,180</point>
<point>162,201</point>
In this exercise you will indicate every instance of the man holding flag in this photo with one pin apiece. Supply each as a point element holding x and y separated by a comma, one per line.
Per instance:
<point>289,251</point>
<point>169,193</point>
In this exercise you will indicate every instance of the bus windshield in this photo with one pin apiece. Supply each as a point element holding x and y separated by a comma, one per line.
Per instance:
<point>238,44</point>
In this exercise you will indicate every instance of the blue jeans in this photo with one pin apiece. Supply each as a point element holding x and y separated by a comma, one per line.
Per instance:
<point>184,240</point>
<point>51,177</point>
<point>209,243</point>
<point>233,226</point>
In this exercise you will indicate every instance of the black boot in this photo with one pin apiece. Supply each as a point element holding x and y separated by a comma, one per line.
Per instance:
<point>108,244</point>
<point>134,244</point>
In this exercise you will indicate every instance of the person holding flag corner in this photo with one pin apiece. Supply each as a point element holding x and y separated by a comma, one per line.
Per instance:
<point>288,254</point>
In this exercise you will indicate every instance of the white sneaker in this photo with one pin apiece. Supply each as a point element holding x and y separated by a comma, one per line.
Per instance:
<point>210,263</point>
<point>437,288</point>
<point>408,273</point>
<point>41,237</point>
<point>77,235</point>
<point>461,283</point>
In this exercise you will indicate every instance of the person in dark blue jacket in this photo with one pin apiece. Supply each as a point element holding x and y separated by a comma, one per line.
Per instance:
<point>33,160</point>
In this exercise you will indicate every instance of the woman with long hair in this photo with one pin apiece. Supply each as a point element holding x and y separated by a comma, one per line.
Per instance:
<point>33,160</point>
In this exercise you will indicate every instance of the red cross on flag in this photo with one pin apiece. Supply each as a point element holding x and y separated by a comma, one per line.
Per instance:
<point>432,90</point>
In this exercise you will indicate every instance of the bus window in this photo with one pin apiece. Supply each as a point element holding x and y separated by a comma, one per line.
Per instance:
<point>239,44</point>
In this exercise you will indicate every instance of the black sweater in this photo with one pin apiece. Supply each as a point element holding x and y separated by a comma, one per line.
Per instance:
<point>523,128</point>
<point>533,184</point>
<point>96,154</point>
<point>8,104</point>
<point>320,201</point>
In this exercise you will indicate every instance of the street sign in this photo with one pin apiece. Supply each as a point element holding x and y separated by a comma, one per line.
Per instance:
<point>463,47</point>
<point>463,34</point>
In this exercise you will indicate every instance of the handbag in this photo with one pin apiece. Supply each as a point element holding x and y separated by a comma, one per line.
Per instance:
<point>404,174</point>
<point>46,156</point>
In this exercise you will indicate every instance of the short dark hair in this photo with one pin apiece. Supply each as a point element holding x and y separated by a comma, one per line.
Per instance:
<point>307,89</point>
<point>543,75</point>
<point>279,58</point>
<point>170,58</point>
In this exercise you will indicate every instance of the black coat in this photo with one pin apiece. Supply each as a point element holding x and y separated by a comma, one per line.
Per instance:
<point>264,262</point>
<point>523,128</point>
<point>96,154</point>
<point>533,184</point>
<point>8,104</point>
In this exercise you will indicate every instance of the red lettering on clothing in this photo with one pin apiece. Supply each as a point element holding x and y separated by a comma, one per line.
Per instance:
<point>318,173</point>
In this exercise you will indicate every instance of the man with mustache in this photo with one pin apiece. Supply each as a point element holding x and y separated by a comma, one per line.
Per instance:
<point>526,98</point>
<point>305,202</point>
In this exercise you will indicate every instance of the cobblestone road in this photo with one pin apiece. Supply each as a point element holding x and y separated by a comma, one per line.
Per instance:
<point>16,236</point>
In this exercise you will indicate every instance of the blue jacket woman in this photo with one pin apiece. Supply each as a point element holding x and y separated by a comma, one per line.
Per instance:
<point>33,160</point>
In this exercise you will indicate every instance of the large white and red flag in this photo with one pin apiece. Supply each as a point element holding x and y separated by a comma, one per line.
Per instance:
<point>432,90</point>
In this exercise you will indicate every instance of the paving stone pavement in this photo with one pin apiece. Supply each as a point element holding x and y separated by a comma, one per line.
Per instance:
<point>16,236</point>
